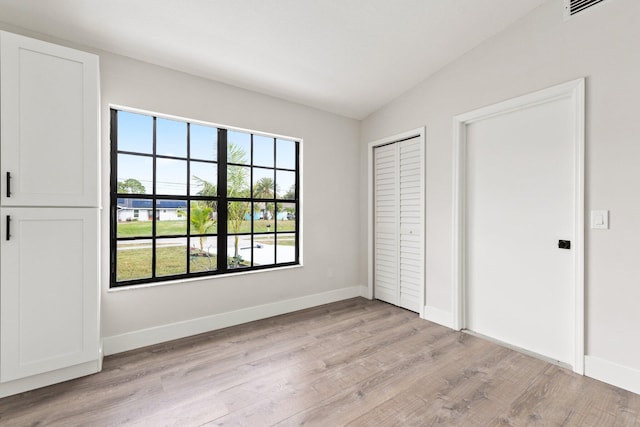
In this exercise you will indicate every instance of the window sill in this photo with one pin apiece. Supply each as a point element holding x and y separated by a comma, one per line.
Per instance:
<point>199,279</point>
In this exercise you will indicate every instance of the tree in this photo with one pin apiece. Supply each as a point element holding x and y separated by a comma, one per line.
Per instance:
<point>291,194</point>
<point>263,189</point>
<point>202,220</point>
<point>237,186</point>
<point>202,216</point>
<point>131,186</point>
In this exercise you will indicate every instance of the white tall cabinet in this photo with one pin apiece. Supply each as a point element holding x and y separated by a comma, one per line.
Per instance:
<point>49,214</point>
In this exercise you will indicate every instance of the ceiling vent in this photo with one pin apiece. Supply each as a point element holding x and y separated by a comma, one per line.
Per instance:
<point>573,7</point>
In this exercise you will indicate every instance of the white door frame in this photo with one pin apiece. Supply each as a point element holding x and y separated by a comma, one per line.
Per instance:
<point>575,91</point>
<point>420,134</point>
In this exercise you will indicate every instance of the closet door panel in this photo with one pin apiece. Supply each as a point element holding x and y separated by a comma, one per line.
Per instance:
<point>411,219</point>
<point>386,224</point>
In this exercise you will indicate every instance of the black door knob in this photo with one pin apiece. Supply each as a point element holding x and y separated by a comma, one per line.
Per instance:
<point>564,244</point>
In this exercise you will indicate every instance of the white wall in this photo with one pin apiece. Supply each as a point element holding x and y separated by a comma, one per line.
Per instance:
<point>537,52</point>
<point>144,315</point>
<point>330,180</point>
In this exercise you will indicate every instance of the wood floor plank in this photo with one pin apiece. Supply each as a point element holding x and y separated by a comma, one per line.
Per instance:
<point>354,362</point>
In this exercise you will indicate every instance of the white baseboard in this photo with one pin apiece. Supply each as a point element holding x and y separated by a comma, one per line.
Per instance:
<point>48,378</point>
<point>364,291</point>
<point>612,373</point>
<point>142,338</point>
<point>436,315</point>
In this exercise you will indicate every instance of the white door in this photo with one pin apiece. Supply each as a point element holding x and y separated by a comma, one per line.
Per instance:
<point>48,290</point>
<point>520,188</point>
<point>398,223</point>
<point>386,227</point>
<point>49,124</point>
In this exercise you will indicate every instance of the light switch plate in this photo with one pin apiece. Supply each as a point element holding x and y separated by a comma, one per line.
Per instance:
<point>600,219</point>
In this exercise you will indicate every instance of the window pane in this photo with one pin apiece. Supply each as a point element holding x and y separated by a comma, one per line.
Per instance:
<point>238,181</point>
<point>203,142</point>
<point>135,132</point>
<point>204,218</point>
<point>203,254</point>
<point>263,183</point>
<point>171,256</point>
<point>171,177</point>
<point>286,184</point>
<point>264,249</point>
<point>262,151</point>
<point>134,217</point>
<point>285,154</point>
<point>135,174</point>
<point>285,248</point>
<point>239,217</point>
<point>204,178</point>
<point>133,260</point>
<point>263,217</point>
<point>171,138</point>
<point>285,217</point>
<point>238,251</point>
<point>171,217</point>
<point>238,147</point>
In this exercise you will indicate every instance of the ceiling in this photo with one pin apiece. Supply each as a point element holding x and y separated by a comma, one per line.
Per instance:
<point>349,57</point>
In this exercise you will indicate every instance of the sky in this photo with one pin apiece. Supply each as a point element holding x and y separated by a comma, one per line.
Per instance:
<point>135,134</point>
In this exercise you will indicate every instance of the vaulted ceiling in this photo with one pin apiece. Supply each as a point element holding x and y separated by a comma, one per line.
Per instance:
<point>349,57</point>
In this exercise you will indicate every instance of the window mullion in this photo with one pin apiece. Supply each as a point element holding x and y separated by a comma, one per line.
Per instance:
<point>296,196</point>
<point>223,203</point>
<point>114,195</point>
<point>154,204</point>
<point>188,208</point>
<point>251,203</point>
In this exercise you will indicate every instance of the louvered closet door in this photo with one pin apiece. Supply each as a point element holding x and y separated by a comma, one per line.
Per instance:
<point>387,224</point>
<point>411,242</point>
<point>398,223</point>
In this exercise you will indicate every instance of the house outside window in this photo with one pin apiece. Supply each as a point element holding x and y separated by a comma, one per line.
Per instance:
<point>193,199</point>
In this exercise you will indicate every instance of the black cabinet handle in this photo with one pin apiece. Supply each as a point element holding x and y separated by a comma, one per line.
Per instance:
<point>8,227</point>
<point>8,184</point>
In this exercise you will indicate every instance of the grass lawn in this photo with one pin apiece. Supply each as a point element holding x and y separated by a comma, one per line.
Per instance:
<point>136,263</point>
<point>282,241</point>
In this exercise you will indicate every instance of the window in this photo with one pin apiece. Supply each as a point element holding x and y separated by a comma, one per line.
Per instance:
<point>191,199</point>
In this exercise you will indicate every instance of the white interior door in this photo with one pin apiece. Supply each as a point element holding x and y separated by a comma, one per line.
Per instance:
<point>520,187</point>
<point>387,224</point>
<point>398,223</point>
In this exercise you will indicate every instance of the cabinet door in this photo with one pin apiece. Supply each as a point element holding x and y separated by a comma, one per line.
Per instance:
<point>49,289</point>
<point>49,124</point>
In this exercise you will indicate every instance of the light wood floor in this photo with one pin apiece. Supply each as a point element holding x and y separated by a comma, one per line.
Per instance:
<point>353,362</point>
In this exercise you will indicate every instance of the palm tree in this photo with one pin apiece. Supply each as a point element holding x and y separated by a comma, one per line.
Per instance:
<point>202,216</point>
<point>264,189</point>
<point>202,219</point>
<point>237,186</point>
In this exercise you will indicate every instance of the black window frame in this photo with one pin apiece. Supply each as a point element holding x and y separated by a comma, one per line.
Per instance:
<point>221,199</point>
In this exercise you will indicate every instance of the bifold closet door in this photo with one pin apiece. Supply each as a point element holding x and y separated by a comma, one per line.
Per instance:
<point>398,223</point>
